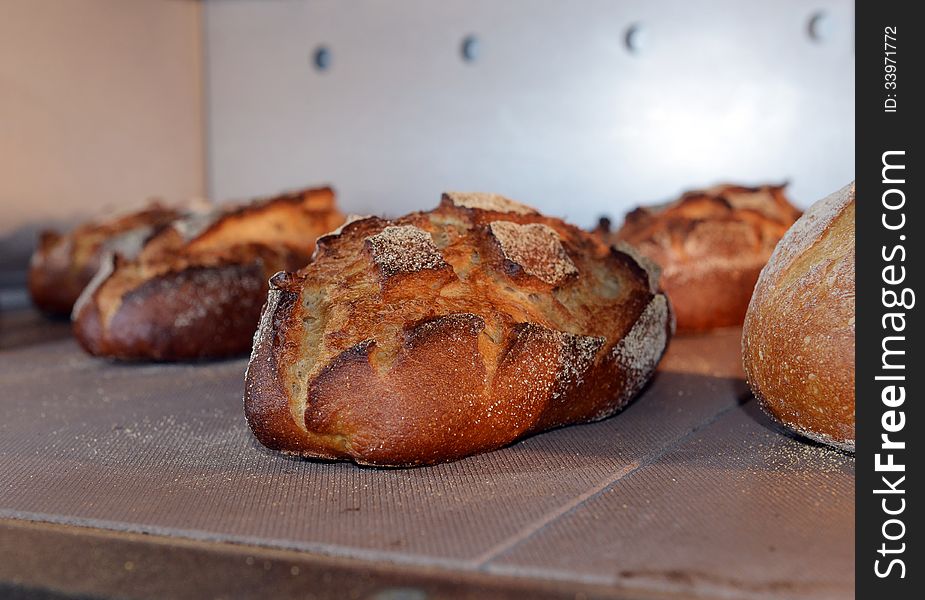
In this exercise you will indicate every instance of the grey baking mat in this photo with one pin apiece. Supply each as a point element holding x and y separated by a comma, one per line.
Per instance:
<point>691,489</point>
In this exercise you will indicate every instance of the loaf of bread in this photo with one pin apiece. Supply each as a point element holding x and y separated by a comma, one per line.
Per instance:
<point>63,264</point>
<point>446,333</point>
<point>196,288</point>
<point>711,245</point>
<point>798,339</point>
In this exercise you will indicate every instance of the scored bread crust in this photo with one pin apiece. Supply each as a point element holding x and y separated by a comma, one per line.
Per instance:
<point>446,333</point>
<point>711,246</point>
<point>798,338</point>
<point>196,288</point>
<point>63,264</point>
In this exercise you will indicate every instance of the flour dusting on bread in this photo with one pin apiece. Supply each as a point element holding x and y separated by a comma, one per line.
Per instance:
<point>575,359</point>
<point>575,354</point>
<point>404,249</point>
<point>639,352</point>
<point>536,248</point>
<point>809,228</point>
<point>488,202</point>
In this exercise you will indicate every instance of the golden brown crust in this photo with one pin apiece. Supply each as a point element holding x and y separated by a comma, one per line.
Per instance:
<point>196,288</point>
<point>270,417</point>
<point>798,339</point>
<point>63,264</point>
<point>711,245</point>
<point>450,332</point>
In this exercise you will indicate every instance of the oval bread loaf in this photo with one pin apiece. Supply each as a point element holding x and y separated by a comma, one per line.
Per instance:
<point>446,333</point>
<point>711,245</point>
<point>196,289</point>
<point>798,339</point>
<point>63,264</point>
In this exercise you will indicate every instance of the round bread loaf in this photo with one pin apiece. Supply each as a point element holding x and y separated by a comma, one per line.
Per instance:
<point>63,264</point>
<point>446,333</point>
<point>196,288</point>
<point>711,245</point>
<point>798,339</point>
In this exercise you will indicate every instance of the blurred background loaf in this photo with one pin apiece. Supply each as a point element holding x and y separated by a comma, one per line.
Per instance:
<point>711,245</point>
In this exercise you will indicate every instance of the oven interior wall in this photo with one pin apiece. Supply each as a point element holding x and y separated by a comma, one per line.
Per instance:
<point>556,108</point>
<point>583,108</point>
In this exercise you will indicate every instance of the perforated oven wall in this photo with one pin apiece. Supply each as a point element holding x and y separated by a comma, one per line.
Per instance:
<point>583,108</point>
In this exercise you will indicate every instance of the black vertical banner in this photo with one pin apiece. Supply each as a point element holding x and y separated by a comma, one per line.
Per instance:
<point>890,366</point>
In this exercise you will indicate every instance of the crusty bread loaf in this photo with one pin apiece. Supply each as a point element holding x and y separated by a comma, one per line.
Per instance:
<point>63,264</point>
<point>446,333</point>
<point>798,340</point>
<point>711,245</point>
<point>196,288</point>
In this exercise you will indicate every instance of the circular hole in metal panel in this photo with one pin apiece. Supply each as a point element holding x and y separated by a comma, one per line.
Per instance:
<point>321,58</point>
<point>820,27</point>
<point>469,48</point>
<point>635,38</point>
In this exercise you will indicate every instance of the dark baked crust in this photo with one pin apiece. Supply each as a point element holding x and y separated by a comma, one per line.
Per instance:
<point>164,318</point>
<point>451,332</point>
<point>711,245</point>
<point>196,289</point>
<point>63,264</point>
<point>798,338</point>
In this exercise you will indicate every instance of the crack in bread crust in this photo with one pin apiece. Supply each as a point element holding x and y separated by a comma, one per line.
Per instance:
<point>459,353</point>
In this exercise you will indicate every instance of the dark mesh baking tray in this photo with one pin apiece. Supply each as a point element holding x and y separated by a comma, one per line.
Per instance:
<point>691,490</point>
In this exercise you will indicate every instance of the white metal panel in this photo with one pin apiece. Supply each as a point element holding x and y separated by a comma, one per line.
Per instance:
<point>555,110</point>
